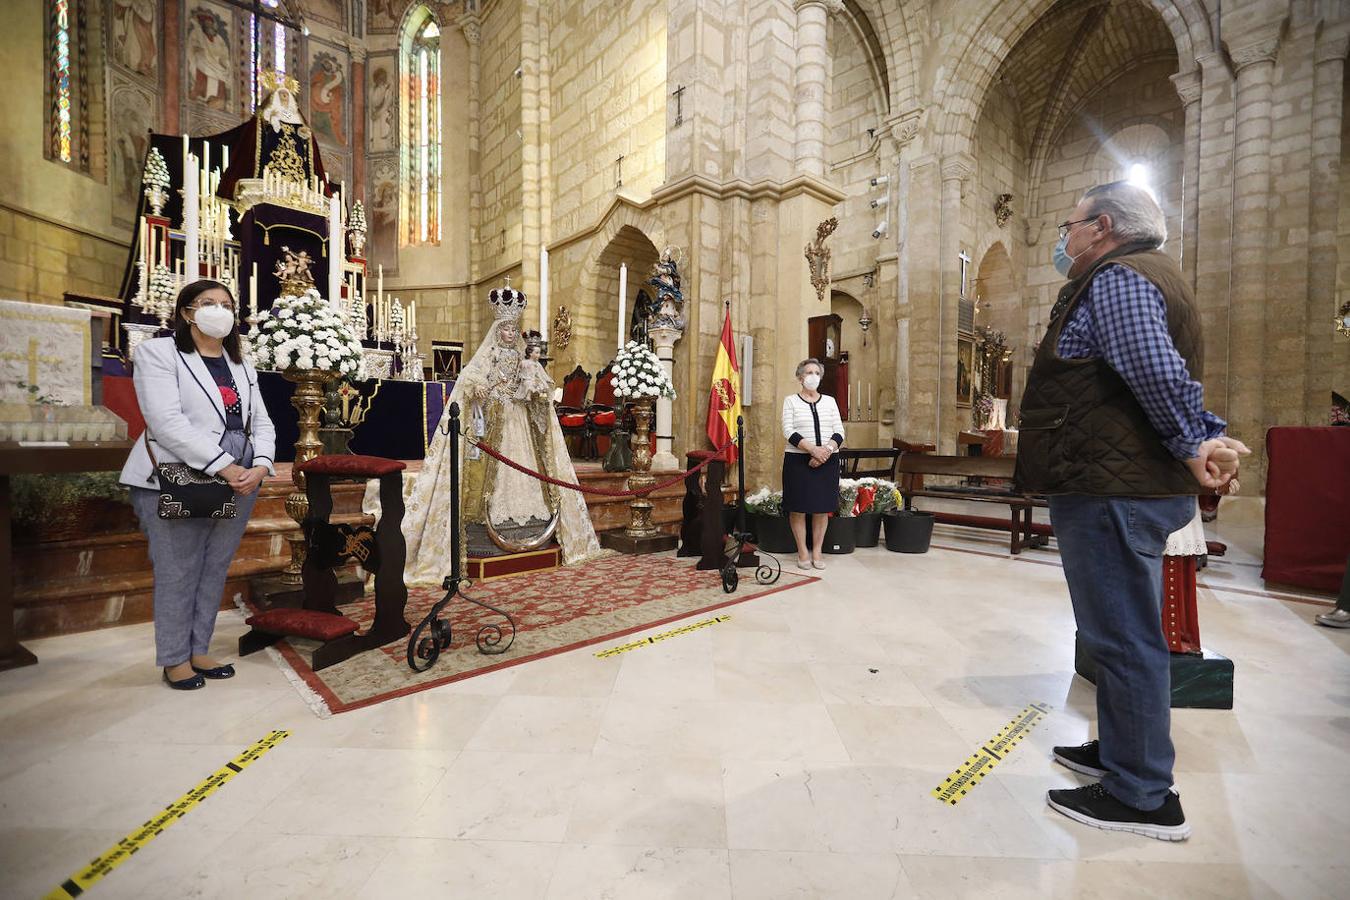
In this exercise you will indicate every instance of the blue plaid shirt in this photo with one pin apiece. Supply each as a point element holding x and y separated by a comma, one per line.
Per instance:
<point>1123,320</point>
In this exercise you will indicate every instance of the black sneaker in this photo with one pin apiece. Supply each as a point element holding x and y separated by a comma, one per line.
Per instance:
<point>1086,758</point>
<point>1093,805</point>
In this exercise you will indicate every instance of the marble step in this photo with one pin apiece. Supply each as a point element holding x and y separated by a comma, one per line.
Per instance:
<point>97,557</point>
<point>66,607</point>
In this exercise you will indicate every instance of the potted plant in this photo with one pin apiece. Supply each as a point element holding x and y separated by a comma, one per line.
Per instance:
<point>907,530</point>
<point>64,507</point>
<point>876,496</point>
<point>765,520</point>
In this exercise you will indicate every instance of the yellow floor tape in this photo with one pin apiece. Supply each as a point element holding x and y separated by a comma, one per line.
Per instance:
<point>971,772</point>
<point>624,648</point>
<point>120,852</point>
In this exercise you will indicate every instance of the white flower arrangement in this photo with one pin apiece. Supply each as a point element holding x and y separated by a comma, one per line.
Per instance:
<point>638,374</point>
<point>156,170</point>
<point>304,332</point>
<point>162,290</point>
<point>357,220</point>
<point>765,502</point>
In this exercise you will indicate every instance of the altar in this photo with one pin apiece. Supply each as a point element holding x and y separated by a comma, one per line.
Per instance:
<point>398,418</point>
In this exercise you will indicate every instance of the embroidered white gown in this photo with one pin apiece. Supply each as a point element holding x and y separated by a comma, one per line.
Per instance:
<point>497,371</point>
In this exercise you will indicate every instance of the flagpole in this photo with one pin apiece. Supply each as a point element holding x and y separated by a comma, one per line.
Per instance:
<point>740,474</point>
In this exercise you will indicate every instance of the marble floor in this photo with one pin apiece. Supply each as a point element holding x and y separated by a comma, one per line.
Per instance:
<point>786,753</point>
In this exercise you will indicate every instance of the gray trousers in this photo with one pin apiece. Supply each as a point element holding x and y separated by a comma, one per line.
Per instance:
<point>191,559</point>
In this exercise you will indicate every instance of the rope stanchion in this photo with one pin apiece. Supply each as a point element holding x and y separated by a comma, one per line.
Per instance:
<point>603,492</point>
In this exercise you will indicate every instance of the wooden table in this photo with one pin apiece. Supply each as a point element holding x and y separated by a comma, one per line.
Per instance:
<point>32,458</point>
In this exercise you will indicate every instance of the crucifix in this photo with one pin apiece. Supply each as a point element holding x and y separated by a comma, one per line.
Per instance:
<point>678,94</point>
<point>618,172</point>
<point>965,264</point>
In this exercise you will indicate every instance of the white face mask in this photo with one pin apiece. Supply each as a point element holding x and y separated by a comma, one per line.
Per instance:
<point>214,321</point>
<point>811,381</point>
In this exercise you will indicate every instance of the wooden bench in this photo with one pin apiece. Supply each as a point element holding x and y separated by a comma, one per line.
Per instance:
<point>868,462</point>
<point>913,466</point>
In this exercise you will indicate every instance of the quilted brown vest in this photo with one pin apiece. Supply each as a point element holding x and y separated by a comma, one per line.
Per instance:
<point>1082,430</point>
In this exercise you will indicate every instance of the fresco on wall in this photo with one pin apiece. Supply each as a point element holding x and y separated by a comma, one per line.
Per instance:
<point>329,12</point>
<point>383,103</point>
<point>134,32</point>
<point>383,217</point>
<point>384,15</point>
<point>131,115</point>
<point>328,95</point>
<point>210,69</point>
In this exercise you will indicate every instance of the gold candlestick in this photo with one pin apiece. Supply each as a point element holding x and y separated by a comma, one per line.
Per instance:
<point>640,508</point>
<point>307,400</point>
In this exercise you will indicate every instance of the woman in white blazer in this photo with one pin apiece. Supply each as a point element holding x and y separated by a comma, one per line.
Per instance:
<point>814,432</point>
<point>201,405</point>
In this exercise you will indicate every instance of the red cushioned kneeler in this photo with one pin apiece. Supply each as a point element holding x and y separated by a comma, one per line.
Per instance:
<point>1307,506</point>
<point>306,623</point>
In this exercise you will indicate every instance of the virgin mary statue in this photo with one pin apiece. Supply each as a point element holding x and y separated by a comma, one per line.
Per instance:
<point>505,400</point>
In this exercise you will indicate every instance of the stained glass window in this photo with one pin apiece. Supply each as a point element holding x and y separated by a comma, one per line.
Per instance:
<point>422,158</point>
<point>268,51</point>
<point>60,80</point>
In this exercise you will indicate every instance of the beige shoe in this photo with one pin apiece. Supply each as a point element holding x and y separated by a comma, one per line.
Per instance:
<point>1339,618</point>
<point>804,564</point>
<point>817,564</point>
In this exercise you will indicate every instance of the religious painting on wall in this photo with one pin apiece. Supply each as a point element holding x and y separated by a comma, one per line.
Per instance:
<point>330,12</point>
<point>328,94</point>
<point>383,211</point>
<point>382,101</point>
<point>965,371</point>
<point>383,15</point>
<point>131,116</point>
<point>210,67</point>
<point>134,30</point>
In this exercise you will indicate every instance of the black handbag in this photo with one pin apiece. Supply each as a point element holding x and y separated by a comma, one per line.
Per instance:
<point>188,493</point>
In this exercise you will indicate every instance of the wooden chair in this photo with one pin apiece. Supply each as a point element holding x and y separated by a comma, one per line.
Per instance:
<point>572,410</point>
<point>601,415</point>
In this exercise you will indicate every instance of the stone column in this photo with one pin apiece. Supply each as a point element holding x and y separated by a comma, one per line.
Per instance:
<point>665,460</point>
<point>358,54</point>
<point>812,81</point>
<point>472,29</point>
<point>1255,65</point>
<point>956,169</point>
<point>1188,89</point>
<point>531,172</point>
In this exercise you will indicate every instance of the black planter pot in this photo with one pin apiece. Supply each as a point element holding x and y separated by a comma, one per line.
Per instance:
<point>908,531</point>
<point>840,534</point>
<point>867,531</point>
<point>773,534</point>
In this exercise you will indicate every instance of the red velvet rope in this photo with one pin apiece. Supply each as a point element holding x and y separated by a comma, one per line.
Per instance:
<point>603,492</point>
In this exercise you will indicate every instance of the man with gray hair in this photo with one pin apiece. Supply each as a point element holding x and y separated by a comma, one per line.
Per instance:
<point>1114,431</point>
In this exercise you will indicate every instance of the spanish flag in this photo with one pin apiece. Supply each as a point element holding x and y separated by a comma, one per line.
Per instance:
<point>724,400</point>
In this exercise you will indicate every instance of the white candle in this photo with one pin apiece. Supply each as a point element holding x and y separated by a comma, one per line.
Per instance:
<point>253,291</point>
<point>379,284</point>
<point>869,398</point>
<point>191,220</point>
<point>623,300</point>
<point>185,158</point>
<point>225,158</point>
<point>145,258</point>
<point>543,293</point>
<point>335,254</point>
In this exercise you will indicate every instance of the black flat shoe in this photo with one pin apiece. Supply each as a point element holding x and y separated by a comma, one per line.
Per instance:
<point>216,674</point>
<point>187,684</point>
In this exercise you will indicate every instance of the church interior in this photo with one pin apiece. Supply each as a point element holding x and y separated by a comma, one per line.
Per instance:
<point>500,581</point>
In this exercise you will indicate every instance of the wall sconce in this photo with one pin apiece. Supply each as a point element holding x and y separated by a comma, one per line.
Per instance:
<point>1343,319</point>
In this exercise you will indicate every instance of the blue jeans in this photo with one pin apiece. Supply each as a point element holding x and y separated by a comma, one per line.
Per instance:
<point>1112,551</point>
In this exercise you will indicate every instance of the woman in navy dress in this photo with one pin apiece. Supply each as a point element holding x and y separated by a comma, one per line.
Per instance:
<point>814,432</point>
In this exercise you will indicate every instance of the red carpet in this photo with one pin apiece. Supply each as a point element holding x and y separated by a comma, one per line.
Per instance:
<point>555,611</point>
